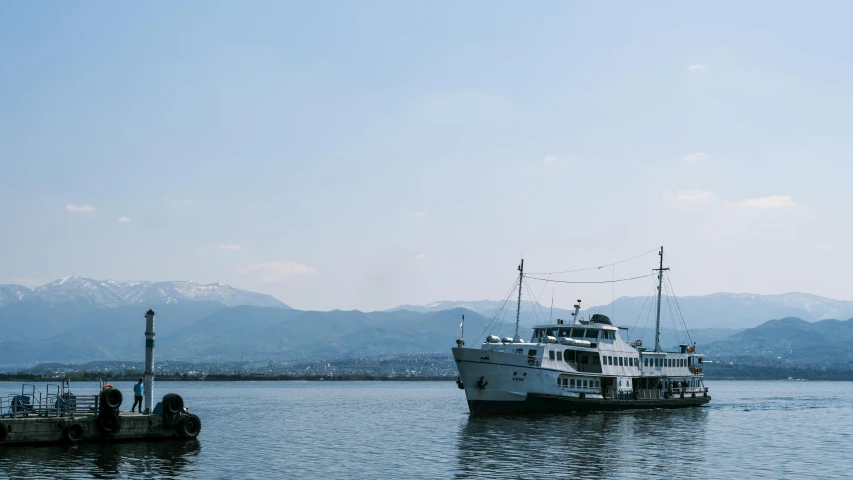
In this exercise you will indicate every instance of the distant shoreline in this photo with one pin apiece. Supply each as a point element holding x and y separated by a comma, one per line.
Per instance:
<point>802,376</point>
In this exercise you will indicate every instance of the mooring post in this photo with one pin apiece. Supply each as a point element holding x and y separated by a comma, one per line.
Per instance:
<point>149,361</point>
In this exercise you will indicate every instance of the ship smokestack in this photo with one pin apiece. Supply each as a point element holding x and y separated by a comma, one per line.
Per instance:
<point>149,360</point>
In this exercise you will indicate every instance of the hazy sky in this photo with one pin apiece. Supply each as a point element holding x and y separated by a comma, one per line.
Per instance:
<point>368,154</point>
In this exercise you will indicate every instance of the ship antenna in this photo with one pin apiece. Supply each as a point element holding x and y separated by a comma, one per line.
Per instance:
<point>660,285</point>
<point>517,339</point>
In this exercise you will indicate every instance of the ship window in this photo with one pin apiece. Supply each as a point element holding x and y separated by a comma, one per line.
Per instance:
<point>572,382</point>
<point>560,356</point>
<point>531,353</point>
<point>565,332</point>
<point>537,333</point>
<point>595,359</point>
<point>584,383</point>
<point>519,351</point>
<point>552,331</point>
<point>610,360</point>
<point>551,354</point>
<point>591,333</point>
<point>620,361</point>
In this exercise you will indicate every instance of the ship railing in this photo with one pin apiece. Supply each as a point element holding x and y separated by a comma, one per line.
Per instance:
<point>616,394</point>
<point>56,402</point>
<point>649,394</point>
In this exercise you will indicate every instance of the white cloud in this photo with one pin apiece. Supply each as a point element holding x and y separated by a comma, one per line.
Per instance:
<point>697,68</point>
<point>420,214</point>
<point>421,256</point>
<point>277,271</point>
<point>690,195</point>
<point>79,208</point>
<point>550,158</point>
<point>697,157</point>
<point>229,247</point>
<point>124,219</point>
<point>768,202</point>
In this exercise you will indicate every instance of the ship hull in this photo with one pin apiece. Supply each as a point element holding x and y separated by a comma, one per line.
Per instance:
<point>535,403</point>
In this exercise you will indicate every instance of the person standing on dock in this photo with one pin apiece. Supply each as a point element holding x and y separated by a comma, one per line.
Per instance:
<point>137,396</point>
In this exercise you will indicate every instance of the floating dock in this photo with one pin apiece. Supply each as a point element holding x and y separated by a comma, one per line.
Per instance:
<point>60,416</point>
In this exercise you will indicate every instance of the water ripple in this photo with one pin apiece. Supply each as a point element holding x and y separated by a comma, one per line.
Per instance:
<point>422,430</point>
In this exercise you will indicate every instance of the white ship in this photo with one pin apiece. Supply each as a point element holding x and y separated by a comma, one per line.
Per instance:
<point>578,366</point>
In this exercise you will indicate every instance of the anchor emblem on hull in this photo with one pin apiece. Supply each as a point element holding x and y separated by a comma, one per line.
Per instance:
<point>481,384</point>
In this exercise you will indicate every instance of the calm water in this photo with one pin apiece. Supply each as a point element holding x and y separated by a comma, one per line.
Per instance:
<point>422,430</point>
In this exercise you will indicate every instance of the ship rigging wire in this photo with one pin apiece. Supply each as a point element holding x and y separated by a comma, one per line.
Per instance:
<point>678,307</point>
<point>648,295</point>
<point>503,305</point>
<point>580,282</point>
<point>598,267</point>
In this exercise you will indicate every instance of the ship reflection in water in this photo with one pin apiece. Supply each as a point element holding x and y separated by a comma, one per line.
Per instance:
<point>600,445</point>
<point>165,459</point>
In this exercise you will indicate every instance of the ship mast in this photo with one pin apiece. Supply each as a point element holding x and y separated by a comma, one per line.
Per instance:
<point>660,285</point>
<point>516,338</point>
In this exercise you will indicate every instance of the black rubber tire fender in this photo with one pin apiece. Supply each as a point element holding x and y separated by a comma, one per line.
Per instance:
<point>111,398</point>
<point>173,404</point>
<point>109,422</point>
<point>74,432</point>
<point>3,432</point>
<point>189,426</point>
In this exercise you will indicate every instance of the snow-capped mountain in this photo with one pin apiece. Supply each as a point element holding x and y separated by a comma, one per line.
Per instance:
<point>12,293</point>
<point>111,293</point>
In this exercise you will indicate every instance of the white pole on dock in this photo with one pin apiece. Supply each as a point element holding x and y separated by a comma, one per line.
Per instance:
<point>149,361</point>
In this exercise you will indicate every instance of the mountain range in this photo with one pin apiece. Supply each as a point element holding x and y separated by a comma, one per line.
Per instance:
<point>77,319</point>
<point>734,311</point>
<point>80,291</point>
